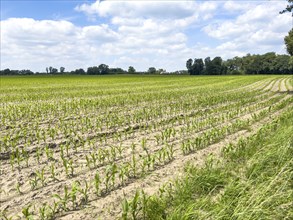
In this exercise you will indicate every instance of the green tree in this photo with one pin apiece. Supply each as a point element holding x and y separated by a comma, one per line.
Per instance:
<point>62,69</point>
<point>198,67</point>
<point>215,66</point>
<point>289,42</point>
<point>289,7</point>
<point>78,72</point>
<point>131,70</point>
<point>103,69</point>
<point>54,71</point>
<point>195,67</point>
<point>189,64</point>
<point>234,66</point>
<point>93,70</point>
<point>152,70</point>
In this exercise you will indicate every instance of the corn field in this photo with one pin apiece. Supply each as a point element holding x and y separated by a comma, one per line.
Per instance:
<point>82,147</point>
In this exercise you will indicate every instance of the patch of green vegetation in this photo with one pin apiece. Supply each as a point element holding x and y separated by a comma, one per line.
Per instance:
<point>253,180</point>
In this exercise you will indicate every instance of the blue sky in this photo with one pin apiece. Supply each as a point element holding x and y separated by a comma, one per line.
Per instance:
<point>164,34</point>
<point>44,10</point>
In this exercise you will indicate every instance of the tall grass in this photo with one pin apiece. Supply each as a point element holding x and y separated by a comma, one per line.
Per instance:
<point>253,180</point>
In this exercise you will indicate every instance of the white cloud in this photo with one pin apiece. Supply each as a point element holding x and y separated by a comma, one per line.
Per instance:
<point>163,34</point>
<point>37,44</point>
<point>236,7</point>
<point>130,9</point>
<point>259,29</point>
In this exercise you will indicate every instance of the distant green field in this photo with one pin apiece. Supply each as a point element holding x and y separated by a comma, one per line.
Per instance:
<point>84,147</point>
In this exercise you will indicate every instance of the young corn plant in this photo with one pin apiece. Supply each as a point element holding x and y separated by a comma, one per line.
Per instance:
<point>113,153</point>
<point>38,155</point>
<point>42,211</point>
<point>27,213</point>
<point>49,153</point>
<point>134,165</point>
<point>67,146</point>
<point>114,170</point>
<point>63,201</point>
<point>88,162</point>
<point>97,182</point>
<point>94,159</point>
<point>45,212</point>
<point>71,168</point>
<point>108,178</point>
<point>12,158</point>
<point>25,156</point>
<point>41,176</point>
<point>134,205</point>
<point>125,209</point>
<point>34,182</point>
<point>52,171</point>
<point>144,202</point>
<point>18,188</point>
<point>68,165</point>
<point>73,192</point>
<point>85,192</point>
<point>120,150</point>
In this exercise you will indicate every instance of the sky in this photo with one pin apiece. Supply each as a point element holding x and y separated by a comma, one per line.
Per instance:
<point>75,34</point>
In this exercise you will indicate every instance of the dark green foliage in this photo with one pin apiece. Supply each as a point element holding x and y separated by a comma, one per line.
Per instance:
<point>15,72</point>
<point>289,42</point>
<point>196,67</point>
<point>289,7</point>
<point>269,63</point>
<point>131,70</point>
<point>102,69</point>
<point>215,66</point>
<point>78,72</point>
<point>62,69</point>
<point>93,70</point>
<point>152,70</point>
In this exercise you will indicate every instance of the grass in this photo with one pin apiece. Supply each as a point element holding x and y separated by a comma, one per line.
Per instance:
<point>251,181</point>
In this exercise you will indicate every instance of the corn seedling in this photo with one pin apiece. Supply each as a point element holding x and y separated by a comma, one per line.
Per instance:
<point>27,213</point>
<point>134,205</point>
<point>63,201</point>
<point>84,191</point>
<point>74,190</point>
<point>34,182</point>
<point>18,188</point>
<point>41,176</point>
<point>125,209</point>
<point>97,183</point>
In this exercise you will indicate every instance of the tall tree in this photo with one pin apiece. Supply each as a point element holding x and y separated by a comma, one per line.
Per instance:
<point>62,69</point>
<point>189,64</point>
<point>131,70</point>
<point>289,7</point>
<point>103,69</point>
<point>54,71</point>
<point>93,70</point>
<point>289,42</point>
<point>198,67</point>
<point>152,70</point>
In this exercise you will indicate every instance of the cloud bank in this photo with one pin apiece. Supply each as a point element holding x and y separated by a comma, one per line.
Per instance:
<point>163,34</point>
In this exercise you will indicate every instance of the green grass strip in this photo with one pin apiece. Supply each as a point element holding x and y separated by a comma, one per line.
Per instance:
<point>253,180</point>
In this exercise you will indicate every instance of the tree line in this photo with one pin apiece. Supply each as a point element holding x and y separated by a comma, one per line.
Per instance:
<point>269,63</point>
<point>101,69</point>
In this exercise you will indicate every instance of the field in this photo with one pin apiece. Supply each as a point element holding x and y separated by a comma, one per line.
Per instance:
<point>110,147</point>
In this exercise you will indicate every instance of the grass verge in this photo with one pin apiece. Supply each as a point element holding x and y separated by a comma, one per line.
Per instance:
<point>253,180</point>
